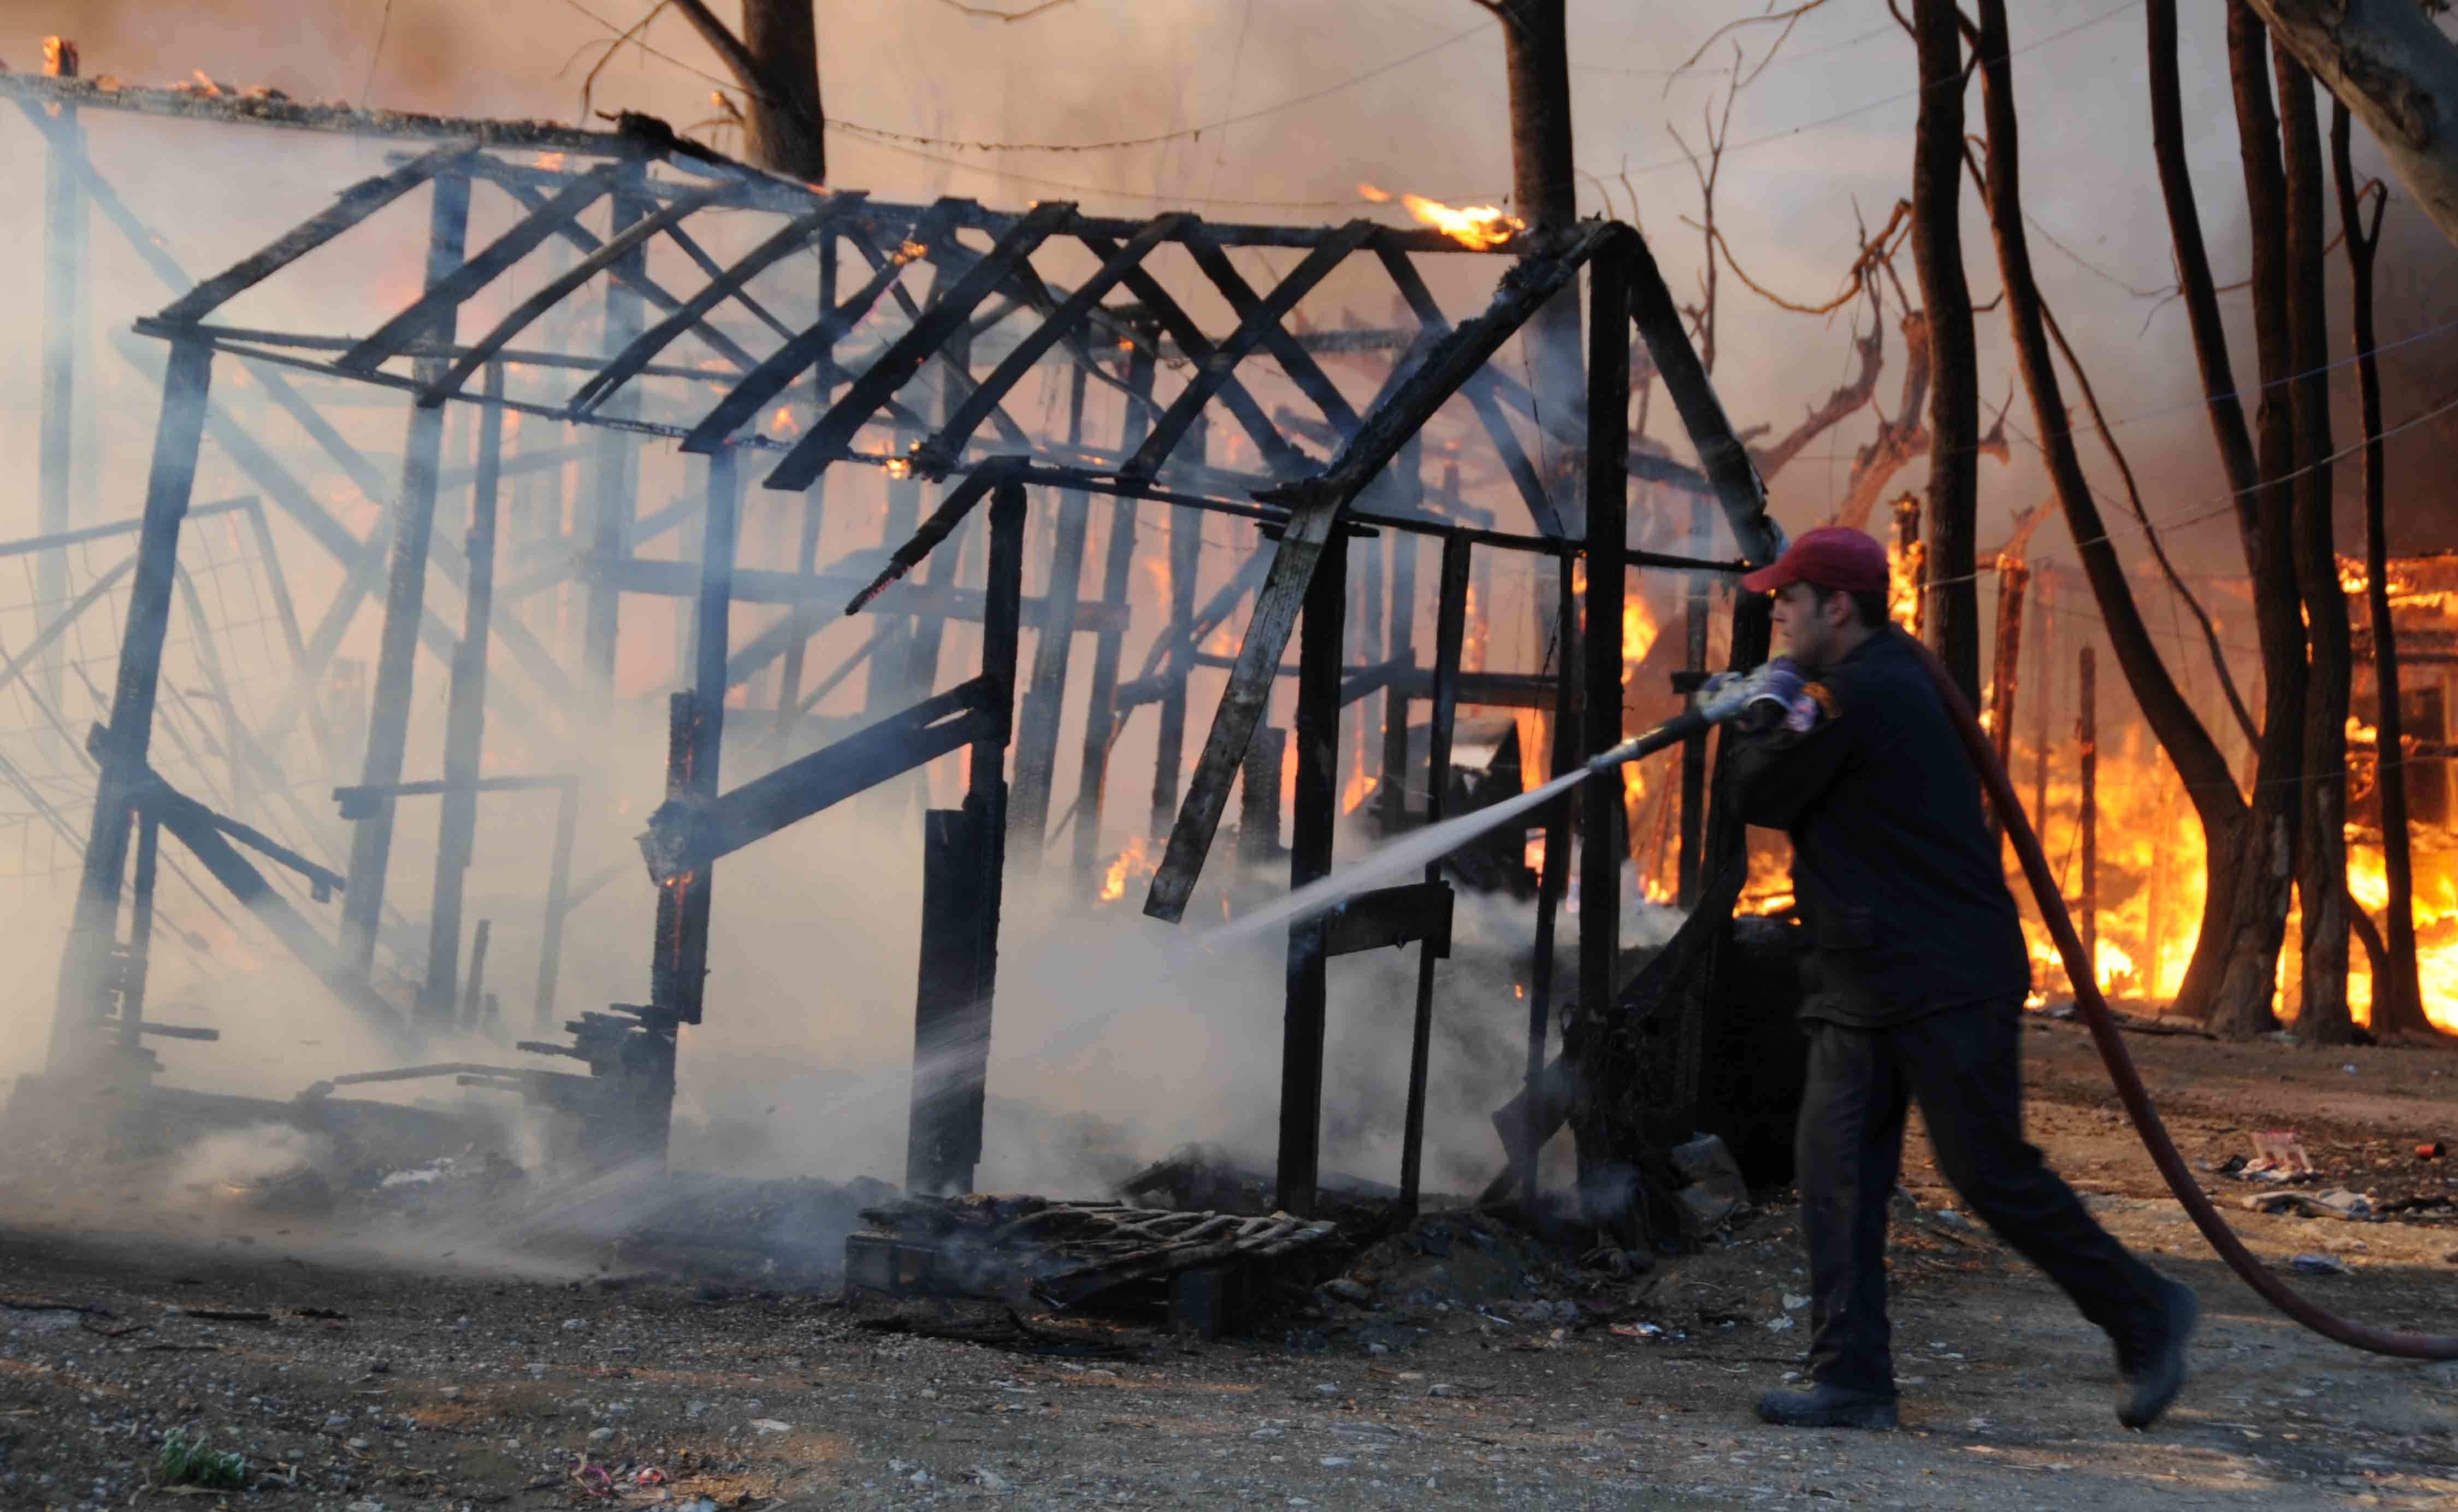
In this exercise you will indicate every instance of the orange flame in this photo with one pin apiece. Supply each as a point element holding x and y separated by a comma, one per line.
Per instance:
<point>1135,860</point>
<point>782,422</point>
<point>1477,227</point>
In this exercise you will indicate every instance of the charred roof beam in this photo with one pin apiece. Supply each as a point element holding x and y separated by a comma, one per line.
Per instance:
<point>827,439</point>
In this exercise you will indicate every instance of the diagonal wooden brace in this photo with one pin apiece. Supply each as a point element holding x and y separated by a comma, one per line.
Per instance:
<point>896,367</point>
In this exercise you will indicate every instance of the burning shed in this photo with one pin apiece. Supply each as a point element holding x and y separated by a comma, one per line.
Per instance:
<point>967,383</point>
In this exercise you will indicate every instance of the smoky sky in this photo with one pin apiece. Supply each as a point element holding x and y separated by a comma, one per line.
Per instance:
<point>1817,144</point>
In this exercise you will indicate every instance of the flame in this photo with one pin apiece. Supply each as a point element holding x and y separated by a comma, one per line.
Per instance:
<point>552,162</point>
<point>900,468</point>
<point>1769,889</point>
<point>1638,632</point>
<point>1477,227</point>
<point>782,422</point>
<point>908,251</point>
<point>2435,857</point>
<point>1359,788</point>
<point>1135,860</point>
<point>1904,562</point>
<point>2110,962</point>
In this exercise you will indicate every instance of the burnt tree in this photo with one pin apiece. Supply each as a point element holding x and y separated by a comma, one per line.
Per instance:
<point>2249,843</point>
<point>1950,610</point>
<point>2321,855</point>
<point>1543,186</point>
<point>2398,998</point>
<point>2190,747</point>
<point>776,60</point>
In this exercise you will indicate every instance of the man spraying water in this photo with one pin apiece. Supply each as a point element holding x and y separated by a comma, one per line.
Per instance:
<point>1913,986</point>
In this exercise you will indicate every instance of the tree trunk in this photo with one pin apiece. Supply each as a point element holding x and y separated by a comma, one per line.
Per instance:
<point>2321,853</point>
<point>2237,980</point>
<point>777,62</point>
<point>2386,61</point>
<point>2197,758</point>
<point>2398,998</point>
<point>2225,860</point>
<point>1951,601</point>
<point>1543,186</point>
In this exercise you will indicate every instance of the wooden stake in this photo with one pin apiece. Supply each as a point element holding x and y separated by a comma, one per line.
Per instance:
<point>2011,578</point>
<point>2086,817</point>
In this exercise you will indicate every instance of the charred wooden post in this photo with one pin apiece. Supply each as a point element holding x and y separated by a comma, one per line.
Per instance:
<point>1185,559</point>
<point>1451,630</point>
<point>140,931</point>
<point>682,949</point>
<point>1550,885</point>
<point>64,317</point>
<point>1694,751</point>
<point>1036,730</point>
<point>1117,573</point>
<point>127,740</point>
<point>930,630</point>
<point>2044,668</point>
<point>405,598</point>
<point>963,859</point>
<point>610,482</point>
<point>1391,797</point>
<point>464,723</point>
<point>1258,791</point>
<point>1316,812</point>
<point>2012,576</point>
<point>1367,620</point>
<point>558,900</point>
<point>2087,816</point>
<point>1602,816</point>
<point>806,548</point>
<point>474,997</point>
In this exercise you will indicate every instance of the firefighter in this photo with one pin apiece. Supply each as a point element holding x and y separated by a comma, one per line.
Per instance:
<point>1913,982</point>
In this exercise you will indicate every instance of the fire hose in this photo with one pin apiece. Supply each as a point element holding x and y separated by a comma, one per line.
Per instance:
<point>1779,687</point>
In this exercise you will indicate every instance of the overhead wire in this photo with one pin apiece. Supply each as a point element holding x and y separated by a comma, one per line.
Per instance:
<point>898,142</point>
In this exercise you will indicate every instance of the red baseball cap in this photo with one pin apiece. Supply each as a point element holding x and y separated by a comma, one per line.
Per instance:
<point>1832,556</point>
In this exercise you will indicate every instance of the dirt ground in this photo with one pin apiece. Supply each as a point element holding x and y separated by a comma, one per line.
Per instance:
<point>369,1386</point>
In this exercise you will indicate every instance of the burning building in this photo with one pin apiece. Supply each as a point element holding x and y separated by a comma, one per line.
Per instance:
<point>872,504</point>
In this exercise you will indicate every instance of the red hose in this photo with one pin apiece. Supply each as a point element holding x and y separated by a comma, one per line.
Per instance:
<point>2120,1063</point>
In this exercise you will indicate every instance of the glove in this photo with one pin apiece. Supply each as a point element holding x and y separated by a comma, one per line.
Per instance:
<point>1763,697</point>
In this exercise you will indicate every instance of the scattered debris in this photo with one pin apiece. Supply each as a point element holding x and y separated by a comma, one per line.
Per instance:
<point>1716,1189</point>
<point>1007,1332</point>
<point>1062,1253</point>
<point>2318,1265</point>
<point>2350,1206</point>
<point>192,1462</point>
<point>2278,1155</point>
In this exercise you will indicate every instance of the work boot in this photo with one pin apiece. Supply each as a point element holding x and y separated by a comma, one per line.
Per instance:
<point>1828,1406</point>
<point>2155,1371</point>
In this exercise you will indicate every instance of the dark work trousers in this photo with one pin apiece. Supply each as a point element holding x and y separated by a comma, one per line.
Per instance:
<point>1964,1067</point>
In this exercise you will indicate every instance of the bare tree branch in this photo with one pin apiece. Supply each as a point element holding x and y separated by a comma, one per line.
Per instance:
<point>1840,405</point>
<point>632,33</point>
<point>1788,19</point>
<point>728,47</point>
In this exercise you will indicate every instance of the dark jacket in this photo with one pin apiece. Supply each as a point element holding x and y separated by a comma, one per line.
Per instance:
<point>1893,869</point>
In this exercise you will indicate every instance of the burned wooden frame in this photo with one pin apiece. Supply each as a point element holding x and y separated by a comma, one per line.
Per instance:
<point>1119,328</point>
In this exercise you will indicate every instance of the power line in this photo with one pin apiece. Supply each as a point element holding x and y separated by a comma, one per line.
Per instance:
<point>1182,134</point>
<point>890,140</point>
